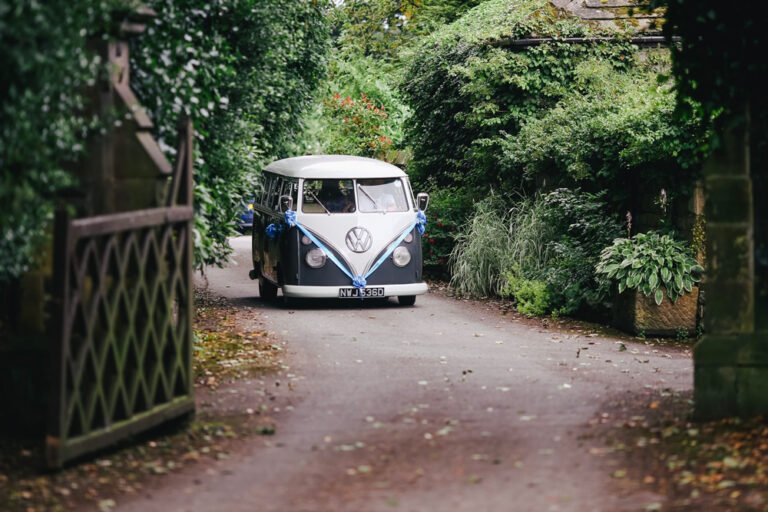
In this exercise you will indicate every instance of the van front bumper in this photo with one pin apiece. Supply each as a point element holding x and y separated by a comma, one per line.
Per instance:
<point>332,292</point>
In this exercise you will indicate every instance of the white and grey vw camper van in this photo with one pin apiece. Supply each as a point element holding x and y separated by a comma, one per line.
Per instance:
<point>338,226</point>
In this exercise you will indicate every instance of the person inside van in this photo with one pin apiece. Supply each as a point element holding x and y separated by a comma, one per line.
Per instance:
<point>378,195</point>
<point>333,199</point>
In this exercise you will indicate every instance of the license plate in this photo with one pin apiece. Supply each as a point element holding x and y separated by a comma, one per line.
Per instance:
<point>360,293</point>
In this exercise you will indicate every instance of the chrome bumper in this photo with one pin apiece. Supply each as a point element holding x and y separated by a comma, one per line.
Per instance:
<point>332,292</point>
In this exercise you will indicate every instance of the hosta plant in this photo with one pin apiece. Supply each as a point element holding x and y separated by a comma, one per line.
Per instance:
<point>651,263</point>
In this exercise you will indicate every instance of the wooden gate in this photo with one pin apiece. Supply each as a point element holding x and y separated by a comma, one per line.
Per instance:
<point>122,316</point>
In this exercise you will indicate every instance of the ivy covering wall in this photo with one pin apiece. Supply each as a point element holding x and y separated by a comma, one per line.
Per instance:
<point>595,122</point>
<point>44,67</point>
<point>488,114</point>
<point>244,70</point>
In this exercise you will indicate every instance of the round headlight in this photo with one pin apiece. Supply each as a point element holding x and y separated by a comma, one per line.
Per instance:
<point>401,256</point>
<point>305,240</point>
<point>315,258</point>
<point>409,237</point>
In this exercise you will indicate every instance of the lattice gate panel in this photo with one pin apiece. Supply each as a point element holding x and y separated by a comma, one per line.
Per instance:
<point>123,361</point>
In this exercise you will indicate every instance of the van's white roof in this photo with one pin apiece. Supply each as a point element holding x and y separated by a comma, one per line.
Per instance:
<point>334,166</point>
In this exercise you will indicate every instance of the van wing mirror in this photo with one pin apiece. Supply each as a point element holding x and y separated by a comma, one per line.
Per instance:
<point>286,203</point>
<point>422,201</point>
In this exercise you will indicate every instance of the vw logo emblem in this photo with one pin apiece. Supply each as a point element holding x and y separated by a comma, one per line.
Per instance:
<point>359,239</point>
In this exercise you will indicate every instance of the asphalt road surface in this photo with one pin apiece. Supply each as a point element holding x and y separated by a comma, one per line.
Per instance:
<point>444,406</point>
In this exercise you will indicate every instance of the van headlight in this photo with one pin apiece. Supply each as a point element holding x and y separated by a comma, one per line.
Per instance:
<point>401,256</point>
<point>315,258</point>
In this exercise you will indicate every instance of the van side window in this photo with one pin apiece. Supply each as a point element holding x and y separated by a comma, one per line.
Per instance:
<point>267,182</point>
<point>291,189</point>
<point>271,191</point>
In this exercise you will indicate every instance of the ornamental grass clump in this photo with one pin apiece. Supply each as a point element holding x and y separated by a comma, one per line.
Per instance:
<point>650,263</point>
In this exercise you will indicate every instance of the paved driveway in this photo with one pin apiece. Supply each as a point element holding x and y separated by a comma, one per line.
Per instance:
<point>445,406</point>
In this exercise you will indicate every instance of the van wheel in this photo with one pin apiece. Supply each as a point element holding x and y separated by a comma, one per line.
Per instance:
<point>267,290</point>
<point>406,300</point>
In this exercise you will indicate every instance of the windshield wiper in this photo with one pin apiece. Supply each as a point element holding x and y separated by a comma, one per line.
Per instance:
<point>318,201</point>
<point>361,189</point>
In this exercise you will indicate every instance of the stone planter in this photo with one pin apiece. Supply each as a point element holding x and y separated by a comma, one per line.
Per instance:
<point>635,313</point>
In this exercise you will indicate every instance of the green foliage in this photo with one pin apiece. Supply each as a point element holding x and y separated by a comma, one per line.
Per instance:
<point>486,114</point>
<point>359,112</point>
<point>555,239</point>
<point>531,297</point>
<point>357,126</point>
<point>612,121</point>
<point>481,254</point>
<point>467,91</point>
<point>45,65</point>
<point>581,226</point>
<point>449,209</point>
<point>652,264</point>
<point>383,28</point>
<point>245,71</point>
<point>373,27</point>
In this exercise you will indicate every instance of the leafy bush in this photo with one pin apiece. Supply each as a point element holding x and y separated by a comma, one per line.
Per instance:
<point>245,71</point>
<point>45,67</point>
<point>532,297</point>
<point>449,209</point>
<point>357,126</point>
<point>581,225</point>
<point>652,264</point>
<point>467,92</point>
<point>555,239</point>
<point>481,254</point>
<point>610,122</point>
<point>358,111</point>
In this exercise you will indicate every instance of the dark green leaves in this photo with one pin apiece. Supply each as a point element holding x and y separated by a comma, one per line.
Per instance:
<point>654,264</point>
<point>245,70</point>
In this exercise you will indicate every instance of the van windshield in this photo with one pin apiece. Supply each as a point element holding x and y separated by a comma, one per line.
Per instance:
<point>328,196</point>
<point>338,196</point>
<point>381,195</point>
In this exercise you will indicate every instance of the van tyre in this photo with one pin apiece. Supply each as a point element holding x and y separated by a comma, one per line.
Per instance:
<point>267,289</point>
<point>406,300</point>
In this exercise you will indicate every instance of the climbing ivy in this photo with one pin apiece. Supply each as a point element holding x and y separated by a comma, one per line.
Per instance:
<point>245,71</point>
<point>45,66</point>
<point>609,124</point>
<point>468,91</point>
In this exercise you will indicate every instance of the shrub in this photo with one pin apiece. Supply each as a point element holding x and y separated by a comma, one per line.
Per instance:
<point>531,296</point>
<point>245,71</point>
<point>481,254</point>
<point>652,264</point>
<point>357,126</point>
<point>449,209</point>
<point>357,89</point>
<point>582,226</point>
<point>555,239</point>
<point>610,122</point>
<point>467,92</point>
<point>45,67</point>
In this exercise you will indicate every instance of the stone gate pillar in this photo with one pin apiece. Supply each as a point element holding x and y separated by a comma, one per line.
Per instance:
<point>731,360</point>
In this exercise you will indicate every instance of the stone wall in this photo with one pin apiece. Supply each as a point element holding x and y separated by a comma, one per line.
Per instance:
<point>731,361</point>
